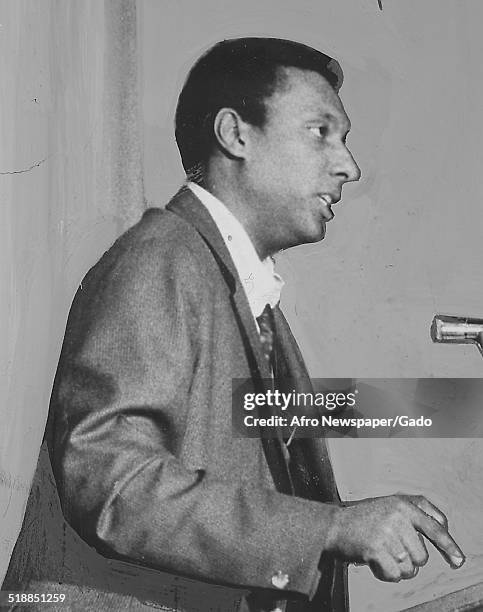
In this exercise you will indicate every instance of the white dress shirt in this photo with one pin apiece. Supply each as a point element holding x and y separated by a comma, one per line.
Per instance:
<point>261,283</point>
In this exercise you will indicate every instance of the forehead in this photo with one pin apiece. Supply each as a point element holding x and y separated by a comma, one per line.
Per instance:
<point>304,94</point>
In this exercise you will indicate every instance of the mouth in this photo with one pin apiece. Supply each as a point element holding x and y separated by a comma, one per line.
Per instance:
<point>327,201</point>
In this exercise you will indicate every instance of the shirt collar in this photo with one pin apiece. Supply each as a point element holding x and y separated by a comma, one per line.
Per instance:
<point>261,283</point>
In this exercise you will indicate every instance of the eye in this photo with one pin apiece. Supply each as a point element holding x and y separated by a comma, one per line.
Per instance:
<point>320,131</point>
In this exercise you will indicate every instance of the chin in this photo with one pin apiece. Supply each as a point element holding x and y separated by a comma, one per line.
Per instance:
<point>313,234</point>
<point>317,234</point>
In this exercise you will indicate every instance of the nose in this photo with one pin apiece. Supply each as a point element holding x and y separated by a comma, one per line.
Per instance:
<point>346,167</point>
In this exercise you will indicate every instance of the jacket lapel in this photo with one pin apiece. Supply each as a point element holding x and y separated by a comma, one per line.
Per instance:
<point>188,206</point>
<point>310,462</point>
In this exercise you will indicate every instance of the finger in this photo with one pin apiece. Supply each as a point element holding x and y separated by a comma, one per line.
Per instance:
<point>413,542</point>
<point>405,566</point>
<point>428,508</point>
<point>385,568</point>
<point>402,558</point>
<point>440,537</point>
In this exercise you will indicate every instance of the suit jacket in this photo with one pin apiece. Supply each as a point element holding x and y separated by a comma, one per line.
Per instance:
<point>140,429</point>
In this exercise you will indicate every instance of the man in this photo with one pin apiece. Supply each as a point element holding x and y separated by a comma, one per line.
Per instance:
<point>140,431</point>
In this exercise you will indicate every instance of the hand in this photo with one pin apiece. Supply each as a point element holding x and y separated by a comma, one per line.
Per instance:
<point>387,534</point>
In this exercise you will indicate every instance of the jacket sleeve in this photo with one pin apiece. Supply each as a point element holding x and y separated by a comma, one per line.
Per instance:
<point>129,354</point>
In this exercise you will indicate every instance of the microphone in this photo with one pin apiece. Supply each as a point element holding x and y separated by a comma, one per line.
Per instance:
<point>457,330</point>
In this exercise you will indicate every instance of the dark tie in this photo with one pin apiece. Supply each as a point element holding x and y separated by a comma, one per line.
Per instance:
<point>275,449</point>
<point>267,333</point>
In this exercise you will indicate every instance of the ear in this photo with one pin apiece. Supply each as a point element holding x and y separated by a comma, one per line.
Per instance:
<point>230,132</point>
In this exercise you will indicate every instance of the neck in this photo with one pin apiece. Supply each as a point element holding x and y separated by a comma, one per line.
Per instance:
<point>231,191</point>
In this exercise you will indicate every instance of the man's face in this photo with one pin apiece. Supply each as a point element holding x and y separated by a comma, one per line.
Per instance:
<point>298,161</point>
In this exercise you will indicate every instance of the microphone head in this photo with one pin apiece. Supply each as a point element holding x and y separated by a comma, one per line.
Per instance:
<point>435,329</point>
<point>456,330</point>
<point>445,328</point>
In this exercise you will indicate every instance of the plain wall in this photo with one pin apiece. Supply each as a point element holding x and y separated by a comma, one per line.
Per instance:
<point>70,182</point>
<point>405,241</point>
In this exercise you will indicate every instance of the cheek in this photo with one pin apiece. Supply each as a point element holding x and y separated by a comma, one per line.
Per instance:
<point>299,172</point>
<point>289,170</point>
<point>286,153</point>
<point>307,168</point>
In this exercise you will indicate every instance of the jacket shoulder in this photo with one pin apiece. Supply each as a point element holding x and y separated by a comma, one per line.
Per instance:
<point>162,231</point>
<point>160,245</point>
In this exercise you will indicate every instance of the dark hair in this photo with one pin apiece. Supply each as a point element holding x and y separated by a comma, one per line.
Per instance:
<point>239,74</point>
